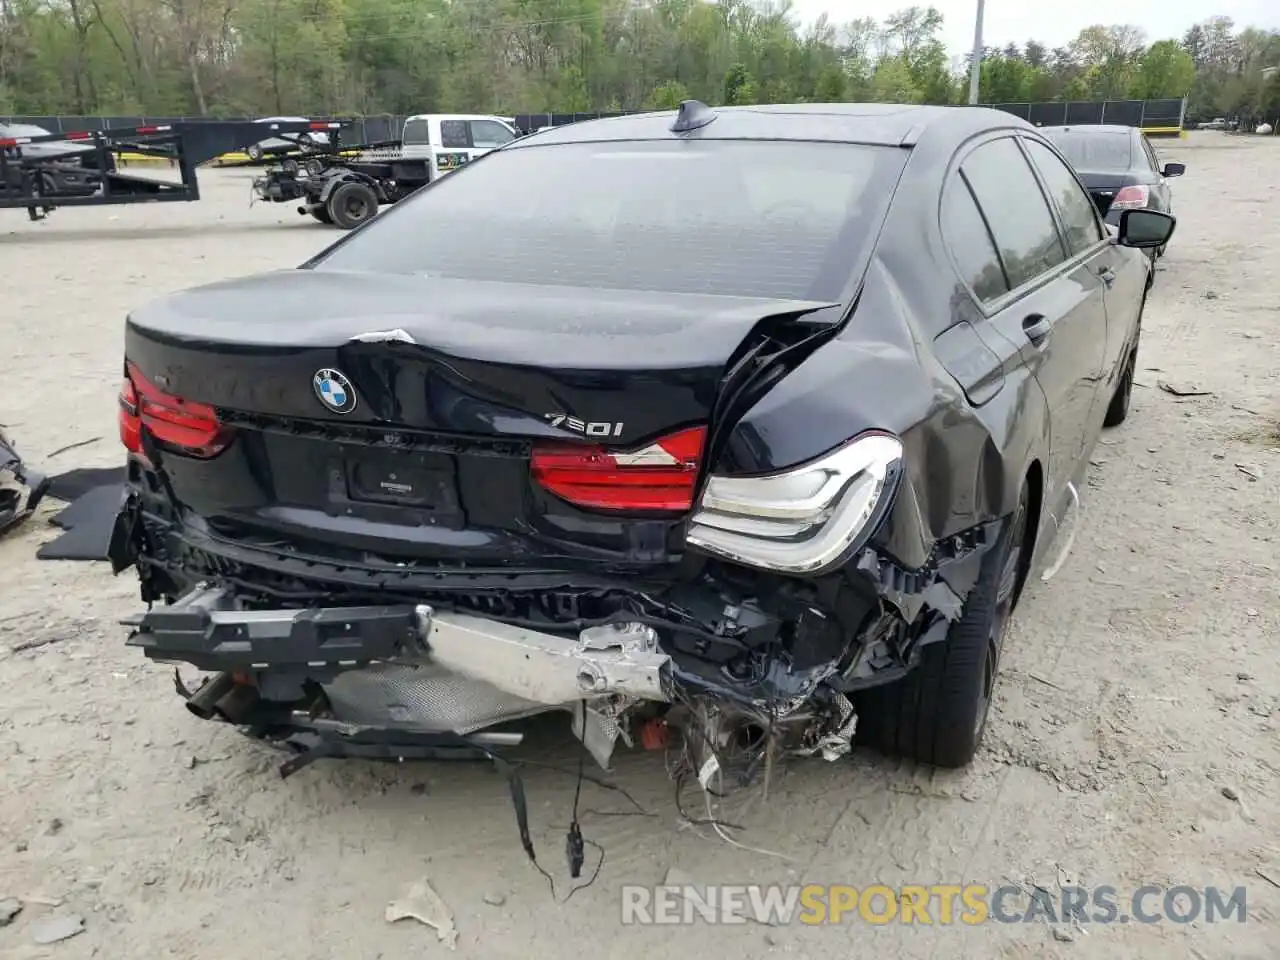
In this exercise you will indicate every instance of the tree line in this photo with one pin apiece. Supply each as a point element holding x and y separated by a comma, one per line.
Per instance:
<point>334,57</point>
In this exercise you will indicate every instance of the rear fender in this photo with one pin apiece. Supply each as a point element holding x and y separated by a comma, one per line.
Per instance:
<point>963,467</point>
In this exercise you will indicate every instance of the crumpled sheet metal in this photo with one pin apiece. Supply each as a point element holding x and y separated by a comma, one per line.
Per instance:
<point>21,489</point>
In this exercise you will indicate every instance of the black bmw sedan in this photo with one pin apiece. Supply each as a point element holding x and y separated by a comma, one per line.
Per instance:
<point>749,423</point>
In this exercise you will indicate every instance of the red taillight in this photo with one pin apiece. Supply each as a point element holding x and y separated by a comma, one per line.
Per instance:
<point>186,426</point>
<point>660,476</point>
<point>130,424</point>
<point>1131,198</point>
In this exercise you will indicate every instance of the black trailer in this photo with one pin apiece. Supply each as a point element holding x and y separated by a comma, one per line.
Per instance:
<point>78,169</point>
<point>343,190</point>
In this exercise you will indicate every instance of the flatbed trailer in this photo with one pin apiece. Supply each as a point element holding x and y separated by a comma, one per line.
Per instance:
<point>344,187</point>
<point>32,182</point>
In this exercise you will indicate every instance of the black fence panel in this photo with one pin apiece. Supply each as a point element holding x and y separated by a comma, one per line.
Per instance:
<point>1082,111</point>
<point>1048,114</point>
<point>1125,112</point>
<point>529,122</point>
<point>1131,113</point>
<point>1163,113</point>
<point>1017,109</point>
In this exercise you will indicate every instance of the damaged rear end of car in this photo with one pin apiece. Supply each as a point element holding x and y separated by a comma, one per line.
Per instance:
<point>390,513</point>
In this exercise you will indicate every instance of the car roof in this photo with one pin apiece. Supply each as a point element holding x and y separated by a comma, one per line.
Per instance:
<point>455,116</point>
<point>885,124</point>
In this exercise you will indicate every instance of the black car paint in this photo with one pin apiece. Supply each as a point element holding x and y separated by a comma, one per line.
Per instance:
<point>981,410</point>
<point>1104,181</point>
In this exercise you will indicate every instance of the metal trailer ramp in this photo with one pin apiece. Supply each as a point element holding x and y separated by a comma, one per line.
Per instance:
<point>30,182</point>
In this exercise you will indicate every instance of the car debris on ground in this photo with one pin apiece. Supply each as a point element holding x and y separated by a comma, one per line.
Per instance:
<point>21,488</point>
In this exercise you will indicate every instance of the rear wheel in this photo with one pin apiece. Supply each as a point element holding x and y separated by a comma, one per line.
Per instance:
<point>351,204</point>
<point>938,712</point>
<point>254,152</point>
<point>321,214</point>
<point>1118,411</point>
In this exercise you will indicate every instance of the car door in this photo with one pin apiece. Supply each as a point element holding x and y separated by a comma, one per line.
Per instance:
<point>488,135</point>
<point>1048,302</point>
<point>452,148</point>
<point>1122,272</point>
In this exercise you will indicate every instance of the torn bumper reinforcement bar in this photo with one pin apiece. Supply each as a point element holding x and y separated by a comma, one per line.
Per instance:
<point>206,629</point>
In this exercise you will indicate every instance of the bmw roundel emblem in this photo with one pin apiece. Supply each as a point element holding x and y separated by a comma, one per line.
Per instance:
<point>334,390</point>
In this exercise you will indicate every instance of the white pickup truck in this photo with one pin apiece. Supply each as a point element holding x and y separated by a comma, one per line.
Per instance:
<point>449,140</point>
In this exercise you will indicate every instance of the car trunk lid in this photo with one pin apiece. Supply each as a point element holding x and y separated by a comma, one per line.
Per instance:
<point>454,388</point>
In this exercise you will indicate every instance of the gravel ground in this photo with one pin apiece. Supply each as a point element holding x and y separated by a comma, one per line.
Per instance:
<point>1134,743</point>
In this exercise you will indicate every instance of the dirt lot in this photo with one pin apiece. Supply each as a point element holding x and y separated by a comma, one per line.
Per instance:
<point>1135,741</point>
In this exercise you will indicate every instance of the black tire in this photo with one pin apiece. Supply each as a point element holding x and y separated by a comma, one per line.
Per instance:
<point>322,214</point>
<point>351,204</point>
<point>938,712</point>
<point>1118,411</point>
<point>254,152</point>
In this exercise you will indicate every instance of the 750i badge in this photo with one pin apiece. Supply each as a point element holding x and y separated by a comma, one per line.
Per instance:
<point>588,428</point>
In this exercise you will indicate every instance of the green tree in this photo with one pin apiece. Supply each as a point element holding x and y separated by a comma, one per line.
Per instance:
<point>668,96</point>
<point>315,57</point>
<point>1165,70</point>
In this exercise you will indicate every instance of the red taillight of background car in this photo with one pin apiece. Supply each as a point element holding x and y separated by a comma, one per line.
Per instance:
<point>1131,198</point>
<point>659,477</point>
<point>183,426</point>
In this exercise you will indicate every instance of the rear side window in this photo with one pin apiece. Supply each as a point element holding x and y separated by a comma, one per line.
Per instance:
<point>769,219</point>
<point>1079,215</point>
<point>970,242</point>
<point>455,133</point>
<point>487,134</point>
<point>1015,209</point>
<point>417,131</point>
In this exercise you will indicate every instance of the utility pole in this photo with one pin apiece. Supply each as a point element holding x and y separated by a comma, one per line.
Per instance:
<point>975,68</point>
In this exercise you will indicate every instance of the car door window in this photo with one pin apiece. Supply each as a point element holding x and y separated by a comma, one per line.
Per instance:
<point>970,242</point>
<point>1077,210</point>
<point>1015,209</point>
<point>455,134</point>
<point>487,134</point>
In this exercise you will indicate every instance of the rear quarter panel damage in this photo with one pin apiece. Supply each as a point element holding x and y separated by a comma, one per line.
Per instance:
<point>963,465</point>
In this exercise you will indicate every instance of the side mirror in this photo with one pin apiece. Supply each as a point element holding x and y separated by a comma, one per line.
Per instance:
<point>1145,229</point>
<point>1173,170</point>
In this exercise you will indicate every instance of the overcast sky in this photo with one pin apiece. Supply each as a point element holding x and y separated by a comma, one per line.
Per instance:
<point>1054,22</point>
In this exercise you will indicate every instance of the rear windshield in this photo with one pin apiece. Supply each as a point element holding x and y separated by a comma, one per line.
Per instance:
<point>416,131</point>
<point>1096,151</point>
<point>763,218</point>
